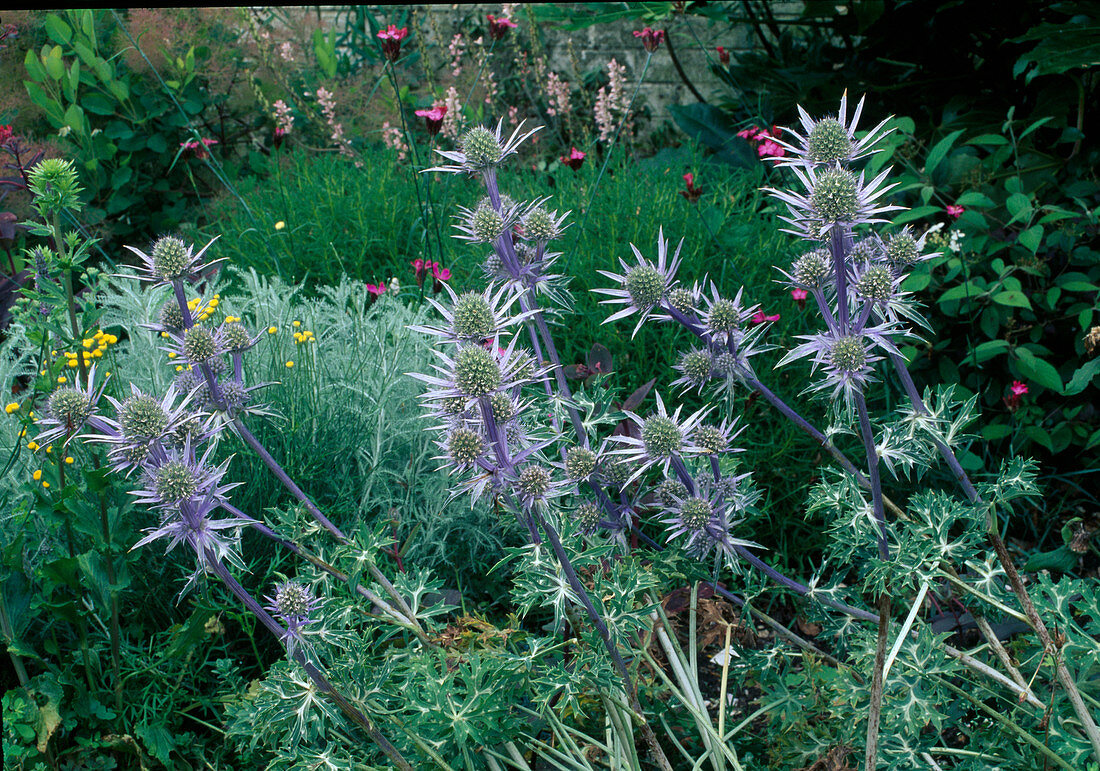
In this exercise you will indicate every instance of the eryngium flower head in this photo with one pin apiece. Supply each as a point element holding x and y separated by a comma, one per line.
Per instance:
<point>588,516</point>
<point>812,270</point>
<point>670,489</point>
<point>712,440</point>
<point>876,283</point>
<point>235,337</point>
<point>464,448</point>
<point>69,409</point>
<point>703,520</point>
<point>833,196</point>
<point>541,225</point>
<point>845,358</point>
<point>180,480</point>
<point>482,150</point>
<point>142,417</point>
<point>170,316</point>
<point>695,368</point>
<point>293,604</point>
<point>723,318</point>
<point>535,485</point>
<point>643,286</point>
<point>473,317</point>
<point>903,251</point>
<point>478,370</point>
<point>662,437</point>
<point>175,481</point>
<point>830,140</point>
<point>580,463</point>
<point>198,345</point>
<point>684,300</point>
<point>172,260</point>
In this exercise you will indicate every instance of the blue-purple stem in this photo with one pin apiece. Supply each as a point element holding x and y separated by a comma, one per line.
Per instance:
<point>873,470</point>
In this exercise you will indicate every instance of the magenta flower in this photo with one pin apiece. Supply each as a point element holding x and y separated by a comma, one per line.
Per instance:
<point>439,274</point>
<point>769,149</point>
<point>574,160</point>
<point>799,296</point>
<point>1017,391</point>
<point>433,118</point>
<point>5,134</point>
<point>376,290</point>
<point>760,317</point>
<point>723,55</point>
<point>391,38</point>
<point>956,212</point>
<point>499,26</point>
<point>651,38</point>
<point>692,193</point>
<point>199,147</point>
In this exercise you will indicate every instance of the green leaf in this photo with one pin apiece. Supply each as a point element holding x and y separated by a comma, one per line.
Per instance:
<point>1040,436</point>
<point>1013,298</point>
<point>711,127</point>
<point>995,431</point>
<point>58,30</point>
<point>1038,370</point>
<point>74,117</point>
<point>1018,205</point>
<point>34,66</point>
<point>917,213</point>
<point>54,64</point>
<point>1061,560</point>
<point>974,198</point>
<point>988,139</point>
<point>1032,238</point>
<point>97,104</point>
<point>986,351</point>
<point>157,143</point>
<point>1082,377</point>
<point>937,153</point>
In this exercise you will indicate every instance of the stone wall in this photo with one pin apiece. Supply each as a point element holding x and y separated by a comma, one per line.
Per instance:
<point>573,52</point>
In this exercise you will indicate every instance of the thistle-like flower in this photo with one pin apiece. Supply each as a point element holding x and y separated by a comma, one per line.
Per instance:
<point>829,140</point>
<point>476,371</point>
<point>724,319</point>
<point>542,226</point>
<point>846,358</point>
<point>172,260</point>
<point>71,408</point>
<point>834,197</point>
<point>703,520</point>
<point>473,317</point>
<point>293,604</point>
<point>143,426</point>
<point>482,150</point>
<point>696,367</point>
<point>642,287</point>
<point>662,437</point>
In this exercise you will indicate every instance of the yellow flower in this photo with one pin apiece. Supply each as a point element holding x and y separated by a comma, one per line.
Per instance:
<point>12,407</point>
<point>289,364</point>
<point>62,379</point>
<point>280,225</point>
<point>49,449</point>
<point>69,459</point>
<point>272,330</point>
<point>37,475</point>
<point>46,485</point>
<point>297,323</point>
<point>32,446</point>
<point>179,368</point>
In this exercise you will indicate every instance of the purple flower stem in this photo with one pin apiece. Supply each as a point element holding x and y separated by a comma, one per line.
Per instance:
<point>315,674</point>
<point>837,248</point>
<point>251,440</point>
<point>872,470</point>
<point>559,374</point>
<point>188,322</point>
<point>683,473</point>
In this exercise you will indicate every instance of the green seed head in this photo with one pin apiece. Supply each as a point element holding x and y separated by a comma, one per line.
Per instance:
<point>662,437</point>
<point>504,409</point>
<point>588,516</point>
<point>292,600</point>
<point>645,285</point>
<point>696,513</point>
<point>170,316</point>
<point>199,345</point>
<point>534,481</point>
<point>540,226</point>
<point>455,405</point>
<point>835,197</point>
<point>862,251</point>
<point>580,462</point>
<point>876,284</point>
<point>465,446</point>
<point>902,250</point>
<point>142,417</point>
<point>727,364</point>
<point>615,471</point>
<point>481,148</point>
<point>711,439</point>
<point>828,142</point>
<point>70,407</point>
<point>681,299</point>
<point>723,317</point>
<point>473,318</point>
<point>175,482</point>
<point>476,371</point>
<point>486,224</point>
<point>848,354</point>
<point>697,366</point>
<point>234,395</point>
<point>812,269</point>
<point>236,336</point>
<point>170,258</point>
<point>671,489</point>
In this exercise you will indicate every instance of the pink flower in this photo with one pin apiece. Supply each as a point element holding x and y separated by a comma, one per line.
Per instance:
<point>376,291</point>
<point>419,270</point>
<point>760,317</point>
<point>5,134</point>
<point>799,296</point>
<point>498,27</point>
<point>440,275</point>
<point>956,212</point>
<point>749,133</point>
<point>651,38</point>
<point>199,147</point>
<point>391,38</point>
<point>433,118</point>
<point>769,149</point>
<point>574,160</point>
<point>1017,391</point>
<point>691,192</point>
<point>723,55</point>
